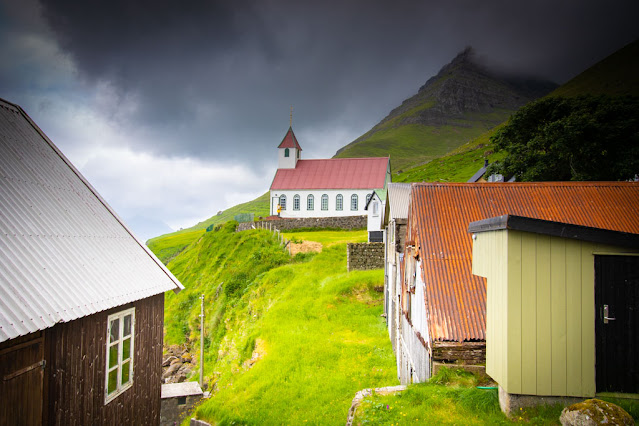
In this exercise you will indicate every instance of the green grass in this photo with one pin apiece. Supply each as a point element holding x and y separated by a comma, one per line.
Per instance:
<point>413,144</point>
<point>328,238</point>
<point>458,166</point>
<point>314,328</point>
<point>167,246</point>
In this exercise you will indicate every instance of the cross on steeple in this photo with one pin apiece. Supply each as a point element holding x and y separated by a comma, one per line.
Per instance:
<point>290,124</point>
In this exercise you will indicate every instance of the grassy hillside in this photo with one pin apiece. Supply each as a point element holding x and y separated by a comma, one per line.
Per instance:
<point>167,246</point>
<point>615,75</point>
<point>287,341</point>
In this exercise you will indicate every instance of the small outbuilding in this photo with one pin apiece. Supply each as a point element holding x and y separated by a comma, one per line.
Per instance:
<point>178,400</point>
<point>562,303</point>
<point>81,298</point>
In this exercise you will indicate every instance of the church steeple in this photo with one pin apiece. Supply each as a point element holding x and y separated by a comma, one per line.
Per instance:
<point>289,149</point>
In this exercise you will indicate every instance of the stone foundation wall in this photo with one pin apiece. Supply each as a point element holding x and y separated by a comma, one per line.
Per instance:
<point>364,256</point>
<point>341,222</point>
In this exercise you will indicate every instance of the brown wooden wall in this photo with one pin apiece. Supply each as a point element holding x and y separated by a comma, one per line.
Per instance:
<point>75,372</point>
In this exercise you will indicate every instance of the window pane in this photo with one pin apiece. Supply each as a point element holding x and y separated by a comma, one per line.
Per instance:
<point>115,329</point>
<point>283,202</point>
<point>113,355</point>
<point>310,204</point>
<point>126,372</point>
<point>126,349</point>
<point>296,202</point>
<point>113,381</point>
<point>127,326</point>
<point>339,202</point>
<point>324,202</point>
<point>354,202</point>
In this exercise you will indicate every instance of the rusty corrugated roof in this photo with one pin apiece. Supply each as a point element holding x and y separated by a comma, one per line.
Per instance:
<point>439,215</point>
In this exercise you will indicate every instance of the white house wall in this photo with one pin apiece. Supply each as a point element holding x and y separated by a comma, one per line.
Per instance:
<point>317,211</point>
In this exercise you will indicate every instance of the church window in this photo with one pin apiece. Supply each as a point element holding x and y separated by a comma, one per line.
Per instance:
<point>368,198</point>
<point>283,202</point>
<point>310,202</point>
<point>296,202</point>
<point>339,202</point>
<point>298,154</point>
<point>286,153</point>
<point>354,202</point>
<point>324,202</point>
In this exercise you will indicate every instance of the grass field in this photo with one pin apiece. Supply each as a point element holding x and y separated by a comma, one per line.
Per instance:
<point>328,238</point>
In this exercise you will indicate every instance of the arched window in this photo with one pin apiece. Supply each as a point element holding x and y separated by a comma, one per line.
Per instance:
<point>339,202</point>
<point>283,201</point>
<point>354,202</point>
<point>286,152</point>
<point>324,202</point>
<point>368,198</point>
<point>310,202</point>
<point>298,153</point>
<point>296,202</point>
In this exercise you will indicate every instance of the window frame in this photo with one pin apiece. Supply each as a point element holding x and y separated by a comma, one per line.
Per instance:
<point>368,198</point>
<point>119,343</point>
<point>296,202</point>
<point>354,202</point>
<point>286,152</point>
<point>339,202</point>
<point>282,201</point>
<point>324,202</point>
<point>310,202</point>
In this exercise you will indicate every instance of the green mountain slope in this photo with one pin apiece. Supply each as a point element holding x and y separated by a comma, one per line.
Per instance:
<point>617,74</point>
<point>614,75</point>
<point>457,105</point>
<point>287,341</point>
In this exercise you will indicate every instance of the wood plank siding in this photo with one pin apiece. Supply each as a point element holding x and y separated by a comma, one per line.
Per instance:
<point>541,311</point>
<point>76,357</point>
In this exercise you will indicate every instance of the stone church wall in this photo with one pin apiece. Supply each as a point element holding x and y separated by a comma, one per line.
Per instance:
<point>343,222</point>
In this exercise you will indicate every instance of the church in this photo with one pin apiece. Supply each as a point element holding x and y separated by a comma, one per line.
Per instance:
<point>324,188</point>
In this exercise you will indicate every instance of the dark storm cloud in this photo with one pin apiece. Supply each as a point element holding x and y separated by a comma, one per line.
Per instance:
<point>218,77</point>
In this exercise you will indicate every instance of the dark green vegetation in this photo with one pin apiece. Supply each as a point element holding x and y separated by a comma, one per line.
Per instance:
<point>559,139</point>
<point>287,340</point>
<point>457,105</point>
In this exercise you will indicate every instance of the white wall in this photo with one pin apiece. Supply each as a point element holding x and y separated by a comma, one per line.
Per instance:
<point>287,162</point>
<point>375,219</point>
<point>317,211</point>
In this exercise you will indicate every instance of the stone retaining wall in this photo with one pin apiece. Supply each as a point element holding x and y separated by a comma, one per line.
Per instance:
<point>341,222</point>
<point>364,256</point>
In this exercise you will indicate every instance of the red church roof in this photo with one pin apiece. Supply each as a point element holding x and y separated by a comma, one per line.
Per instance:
<point>336,173</point>
<point>290,141</point>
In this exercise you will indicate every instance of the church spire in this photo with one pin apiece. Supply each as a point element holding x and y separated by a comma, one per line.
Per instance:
<point>290,124</point>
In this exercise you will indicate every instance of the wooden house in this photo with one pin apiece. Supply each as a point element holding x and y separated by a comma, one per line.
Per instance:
<point>81,298</point>
<point>562,300</point>
<point>443,304</point>
<point>375,208</point>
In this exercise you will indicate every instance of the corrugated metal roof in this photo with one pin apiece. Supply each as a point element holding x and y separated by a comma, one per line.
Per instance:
<point>439,217</point>
<point>398,197</point>
<point>334,173</point>
<point>64,254</point>
<point>290,141</point>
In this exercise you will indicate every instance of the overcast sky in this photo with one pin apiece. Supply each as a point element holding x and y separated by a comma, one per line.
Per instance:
<point>173,110</point>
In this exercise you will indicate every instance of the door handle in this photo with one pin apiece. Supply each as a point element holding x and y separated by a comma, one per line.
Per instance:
<point>606,318</point>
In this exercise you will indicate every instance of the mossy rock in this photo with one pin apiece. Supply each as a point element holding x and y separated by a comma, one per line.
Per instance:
<point>595,412</point>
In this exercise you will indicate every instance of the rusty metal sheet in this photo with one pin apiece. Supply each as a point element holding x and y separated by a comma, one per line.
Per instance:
<point>439,214</point>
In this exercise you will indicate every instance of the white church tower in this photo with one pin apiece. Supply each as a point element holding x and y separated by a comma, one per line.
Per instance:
<point>289,151</point>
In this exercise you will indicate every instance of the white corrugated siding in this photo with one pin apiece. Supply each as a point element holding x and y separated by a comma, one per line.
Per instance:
<point>63,253</point>
<point>398,197</point>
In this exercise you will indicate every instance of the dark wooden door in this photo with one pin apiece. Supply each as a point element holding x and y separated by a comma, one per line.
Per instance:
<point>617,323</point>
<point>21,376</point>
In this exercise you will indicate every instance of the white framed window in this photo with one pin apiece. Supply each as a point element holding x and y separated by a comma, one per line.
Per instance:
<point>324,202</point>
<point>375,208</point>
<point>283,201</point>
<point>310,202</point>
<point>354,202</point>
<point>368,197</point>
<point>119,353</point>
<point>296,202</point>
<point>339,202</point>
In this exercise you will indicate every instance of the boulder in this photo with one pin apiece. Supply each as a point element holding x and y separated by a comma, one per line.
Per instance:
<point>168,361</point>
<point>187,357</point>
<point>172,369</point>
<point>595,412</point>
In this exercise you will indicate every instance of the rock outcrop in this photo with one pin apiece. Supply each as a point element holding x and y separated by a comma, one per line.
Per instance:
<point>595,412</point>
